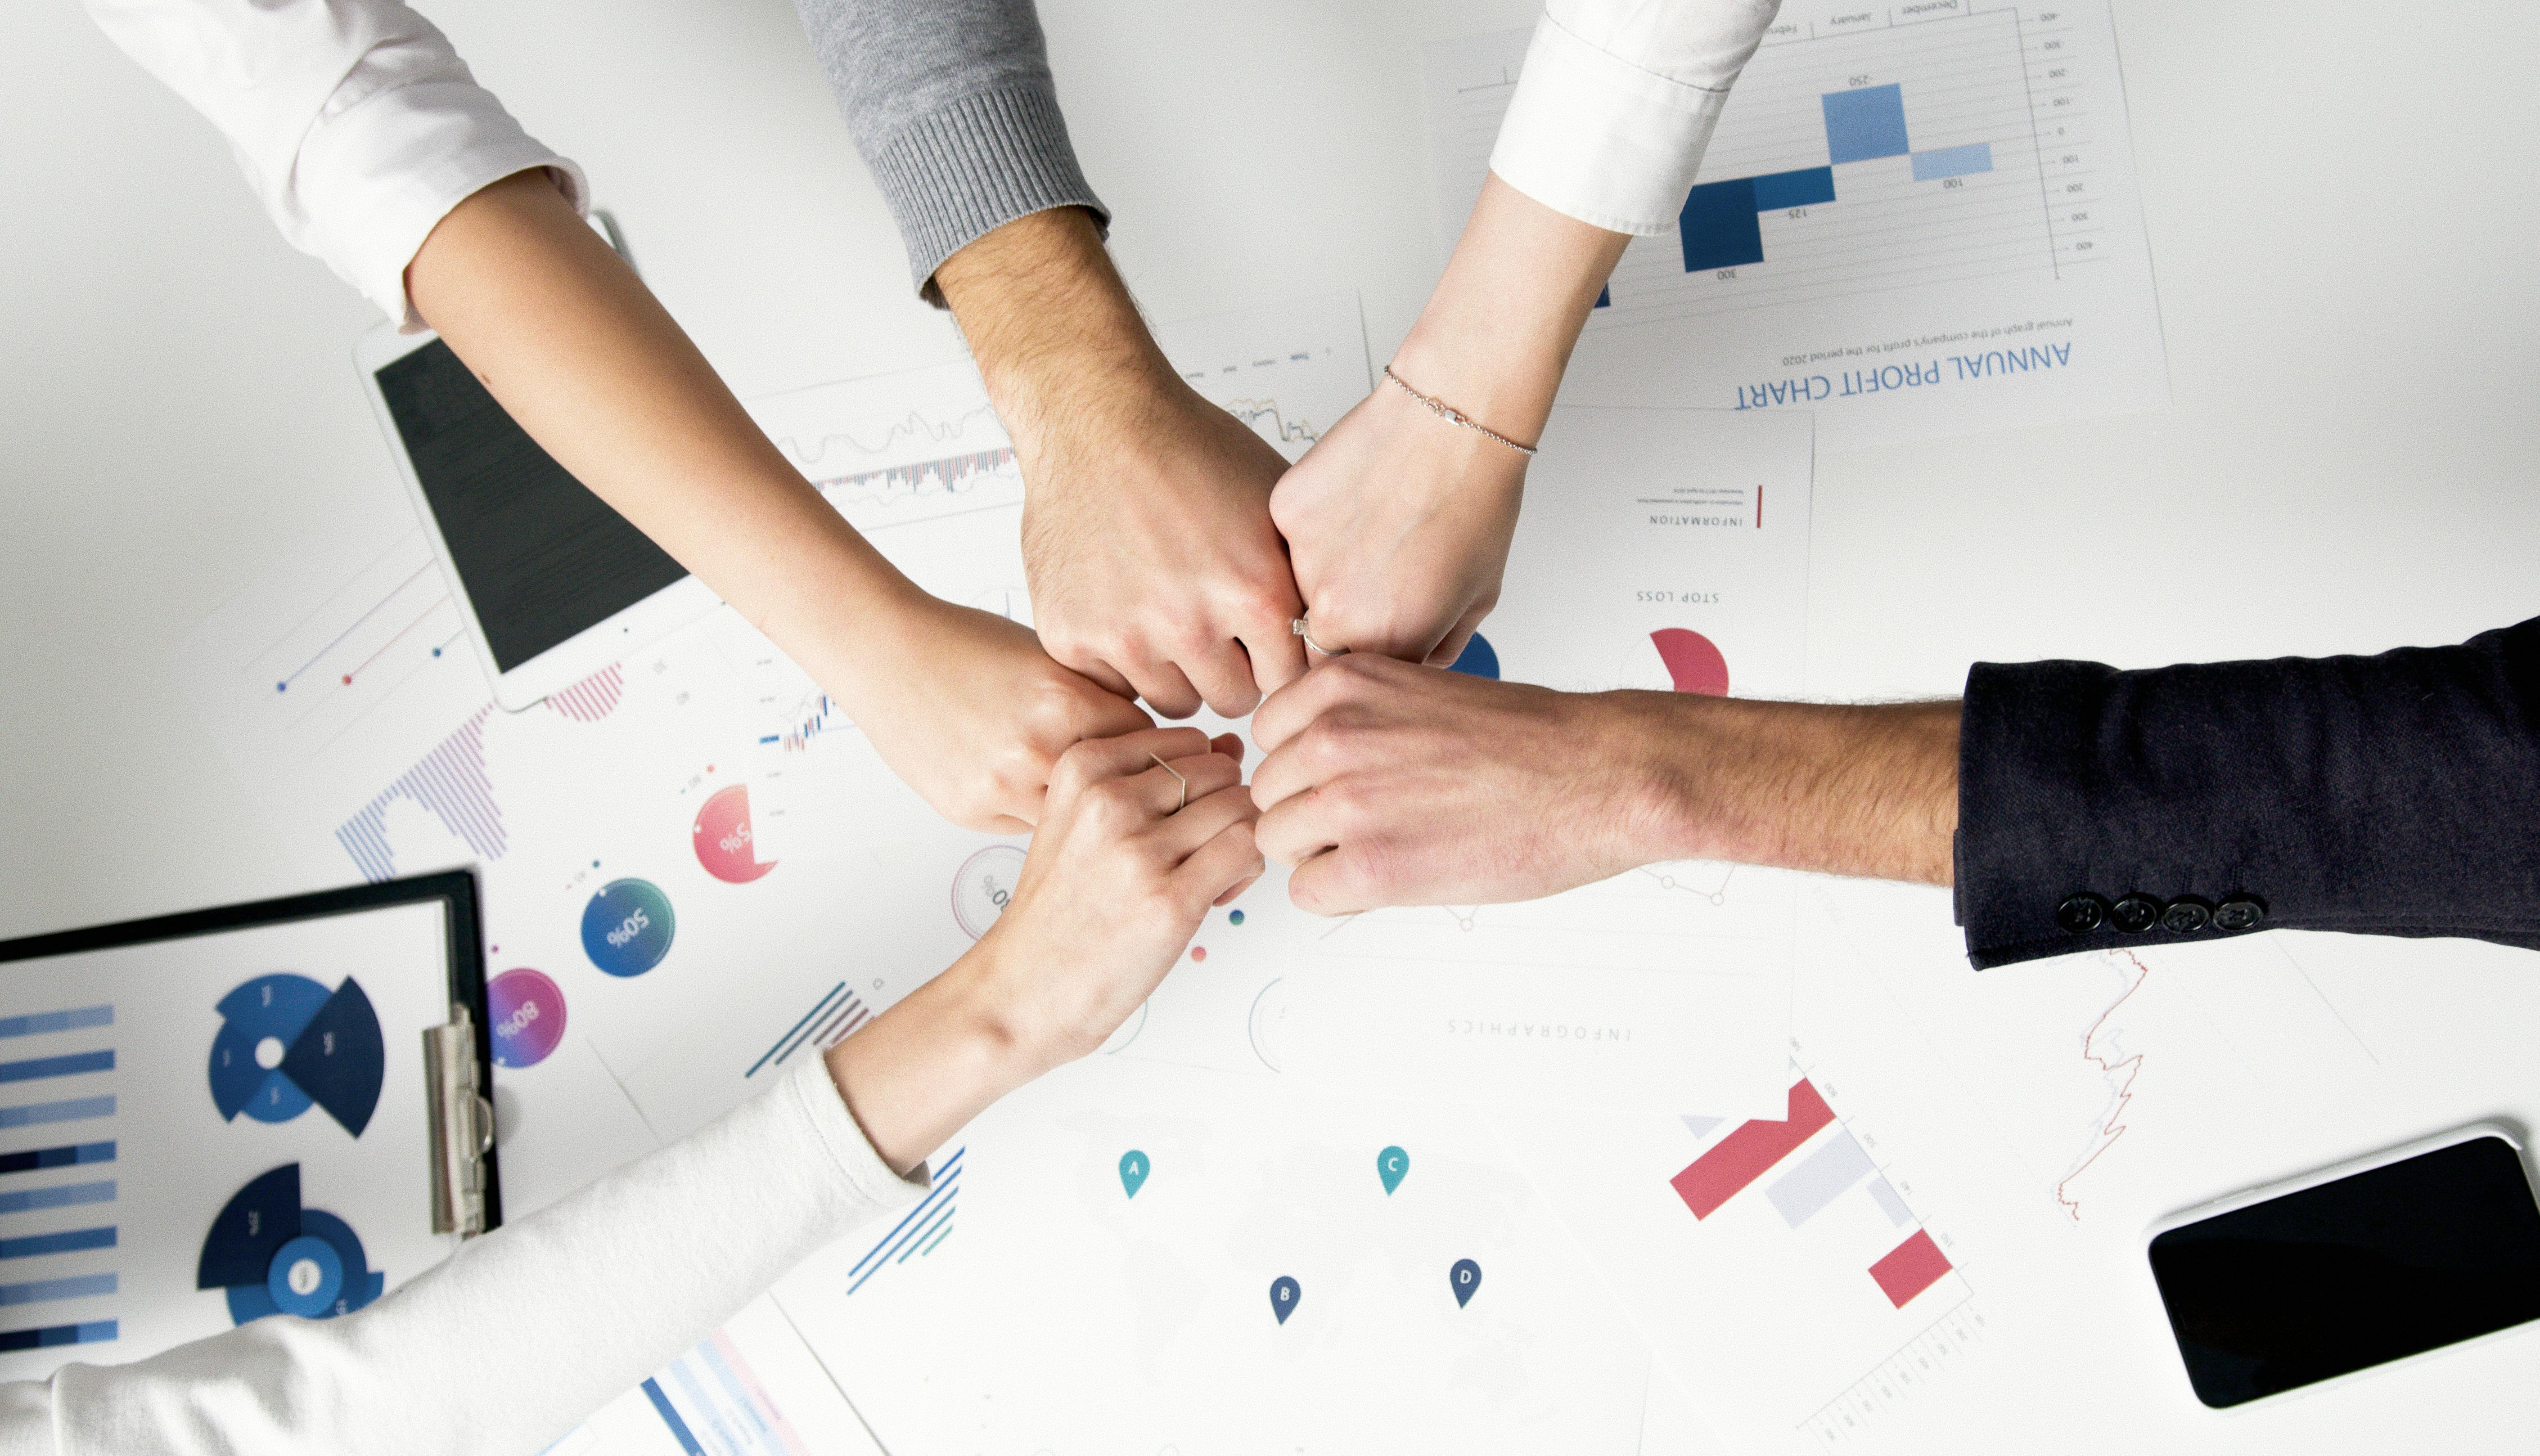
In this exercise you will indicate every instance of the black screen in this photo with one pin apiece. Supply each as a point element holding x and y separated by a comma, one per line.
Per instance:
<point>540,556</point>
<point>2371,1268</point>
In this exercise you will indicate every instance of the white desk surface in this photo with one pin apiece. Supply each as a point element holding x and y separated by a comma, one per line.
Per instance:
<point>2341,223</point>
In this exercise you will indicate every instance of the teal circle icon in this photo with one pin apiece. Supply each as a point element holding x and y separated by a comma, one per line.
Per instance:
<point>627,926</point>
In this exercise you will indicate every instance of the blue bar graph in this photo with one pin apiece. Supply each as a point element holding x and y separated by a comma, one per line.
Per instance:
<point>77,1286</point>
<point>67,1156</point>
<point>671,1418</point>
<point>1866,124</point>
<point>70,1110</point>
<point>67,1196</point>
<point>71,1065</point>
<point>75,1019</point>
<point>88,1334</point>
<point>1782,190</point>
<point>1719,228</point>
<point>1949,162</point>
<point>68,1241</point>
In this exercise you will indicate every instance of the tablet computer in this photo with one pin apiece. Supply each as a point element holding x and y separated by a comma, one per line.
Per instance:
<point>552,582</point>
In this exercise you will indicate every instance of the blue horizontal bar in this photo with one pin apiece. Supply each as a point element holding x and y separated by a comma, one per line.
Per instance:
<point>68,1241</point>
<point>67,1196</point>
<point>86,1334</point>
<point>1787,189</point>
<point>71,1020</point>
<point>71,1065</point>
<point>70,1155</point>
<point>1949,162</point>
<point>77,1286</point>
<point>69,1111</point>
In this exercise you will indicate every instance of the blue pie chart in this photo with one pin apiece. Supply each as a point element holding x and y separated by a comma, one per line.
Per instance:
<point>271,1256</point>
<point>287,1043</point>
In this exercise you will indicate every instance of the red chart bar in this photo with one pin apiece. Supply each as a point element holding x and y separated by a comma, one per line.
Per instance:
<point>1909,1268</point>
<point>1750,1152</point>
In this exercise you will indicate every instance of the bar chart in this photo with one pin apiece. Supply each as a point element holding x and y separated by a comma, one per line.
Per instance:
<point>58,1234</point>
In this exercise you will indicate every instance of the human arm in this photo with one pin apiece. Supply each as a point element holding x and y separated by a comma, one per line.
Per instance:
<point>565,1309</point>
<point>1148,545</point>
<point>1393,783</point>
<point>1399,521</point>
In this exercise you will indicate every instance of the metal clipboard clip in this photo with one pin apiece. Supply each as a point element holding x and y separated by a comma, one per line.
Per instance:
<point>463,1125</point>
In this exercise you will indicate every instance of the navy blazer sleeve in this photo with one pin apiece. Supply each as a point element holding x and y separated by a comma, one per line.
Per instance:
<point>2391,796</point>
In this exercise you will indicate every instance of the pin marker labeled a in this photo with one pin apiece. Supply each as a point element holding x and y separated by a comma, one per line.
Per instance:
<point>1391,1166</point>
<point>1284,1294</point>
<point>1133,1171</point>
<point>1466,1278</point>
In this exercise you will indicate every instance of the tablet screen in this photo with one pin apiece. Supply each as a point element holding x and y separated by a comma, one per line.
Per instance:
<point>541,558</point>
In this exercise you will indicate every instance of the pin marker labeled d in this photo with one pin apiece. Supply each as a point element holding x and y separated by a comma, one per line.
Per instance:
<point>1133,1171</point>
<point>1391,1166</point>
<point>1466,1278</point>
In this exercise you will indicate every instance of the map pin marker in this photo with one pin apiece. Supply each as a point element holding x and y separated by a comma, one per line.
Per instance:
<point>1466,1278</point>
<point>1133,1171</point>
<point>1282,1297</point>
<point>1390,1165</point>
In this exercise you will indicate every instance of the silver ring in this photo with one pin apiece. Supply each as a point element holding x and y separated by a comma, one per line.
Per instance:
<point>1179,779</point>
<point>1299,627</point>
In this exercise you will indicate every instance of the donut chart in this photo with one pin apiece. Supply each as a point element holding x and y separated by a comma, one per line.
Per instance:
<point>1478,658</point>
<point>627,926</point>
<point>722,836</point>
<point>287,1043</point>
<point>1693,662</point>
<point>272,1256</point>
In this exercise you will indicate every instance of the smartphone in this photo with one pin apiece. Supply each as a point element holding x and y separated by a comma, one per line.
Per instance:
<point>2355,1266</point>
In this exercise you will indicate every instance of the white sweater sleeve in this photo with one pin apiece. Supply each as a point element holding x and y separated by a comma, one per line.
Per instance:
<point>1617,100</point>
<point>356,123</point>
<point>521,1334</point>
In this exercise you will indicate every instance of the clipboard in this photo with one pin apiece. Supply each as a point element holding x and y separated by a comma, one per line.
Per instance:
<point>274,1109</point>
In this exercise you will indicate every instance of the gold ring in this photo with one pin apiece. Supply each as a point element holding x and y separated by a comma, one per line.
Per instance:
<point>1298,628</point>
<point>1179,779</point>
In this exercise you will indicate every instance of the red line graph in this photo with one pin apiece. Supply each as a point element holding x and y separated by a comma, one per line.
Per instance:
<point>2112,1126</point>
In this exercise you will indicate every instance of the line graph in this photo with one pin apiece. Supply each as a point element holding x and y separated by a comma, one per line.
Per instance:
<point>1289,370</point>
<point>895,448</point>
<point>2120,1072</point>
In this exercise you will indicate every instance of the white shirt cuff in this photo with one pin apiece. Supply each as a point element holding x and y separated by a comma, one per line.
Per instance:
<point>391,167</point>
<point>1596,137</point>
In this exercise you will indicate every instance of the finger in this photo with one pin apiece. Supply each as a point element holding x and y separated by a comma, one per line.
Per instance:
<point>1097,759</point>
<point>1092,666</point>
<point>1453,644</point>
<point>1229,746</point>
<point>1177,783</point>
<point>1304,764</point>
<point>1277,653</point>
<point>1296,829</point>
<point>1287,712</point>
<point>1237,893</point>
<point>1330,884</point>
<point>1227,861</point>
<point>1108,715</point>
<point>1224,676</point>
<point>1165,688</point>
<point>1184,833</point>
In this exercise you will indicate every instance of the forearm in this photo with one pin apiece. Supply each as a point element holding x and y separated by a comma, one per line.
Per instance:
<point>928,1066</point>
<point>1868,791</point>
<point>1051,324</point>
<point>1496,332</point>
<point>589,363</point>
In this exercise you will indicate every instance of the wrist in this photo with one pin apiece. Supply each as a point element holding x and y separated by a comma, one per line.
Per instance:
<point>940,1056</point>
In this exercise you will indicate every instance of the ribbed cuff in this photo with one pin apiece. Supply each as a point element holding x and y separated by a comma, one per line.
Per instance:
<point>977,165</point>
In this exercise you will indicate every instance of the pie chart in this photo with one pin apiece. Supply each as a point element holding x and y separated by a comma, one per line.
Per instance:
<point>722,839</point>
<point>1478,658</point>
<point>287,1043</point>
<point>274,1257</point>
<point>1693,664</point>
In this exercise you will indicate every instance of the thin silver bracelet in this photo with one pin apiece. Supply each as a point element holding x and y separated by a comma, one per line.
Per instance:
<point>1453,416</point>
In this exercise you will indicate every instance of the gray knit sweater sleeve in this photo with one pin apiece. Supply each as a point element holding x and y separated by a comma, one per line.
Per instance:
<point>952,104</point>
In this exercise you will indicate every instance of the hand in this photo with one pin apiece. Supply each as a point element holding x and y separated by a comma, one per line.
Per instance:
<point>1147,542</point>
<point>1124,867</point>
<point>1126,863</point>
<point>1147,539</point>
<point>1399,519</point>
<point>1389,784</point>
<point>1399,523</point>
<point>978,723</point>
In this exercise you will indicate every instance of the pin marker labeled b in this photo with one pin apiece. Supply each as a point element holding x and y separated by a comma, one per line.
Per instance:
<point>1284,1294</point>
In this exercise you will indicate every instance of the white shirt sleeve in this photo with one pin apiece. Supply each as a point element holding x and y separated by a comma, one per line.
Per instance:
<point>354,120</point>
<point>521,1334</point>
<point>1617,100</point>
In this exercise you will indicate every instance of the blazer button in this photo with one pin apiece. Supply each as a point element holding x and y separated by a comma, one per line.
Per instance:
<point>2186,915</point>
<point>2082,914</point>
<point>2239,913</point>
<point>2135,914</point>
